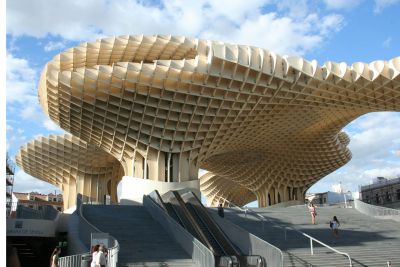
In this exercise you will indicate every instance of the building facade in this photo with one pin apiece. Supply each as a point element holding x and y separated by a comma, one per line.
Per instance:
<point>329,198</point>
<point>382,192</point>
<point>37,201</point>
<point>10,169</point>
<point>265,127</point>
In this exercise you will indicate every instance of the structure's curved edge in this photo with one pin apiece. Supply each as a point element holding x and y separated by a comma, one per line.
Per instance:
<point>72,165</point>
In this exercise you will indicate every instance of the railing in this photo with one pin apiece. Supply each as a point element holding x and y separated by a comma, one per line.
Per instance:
<point>85,230</point>
<point>285,228</point>
<point>200,254</point>
<point>70,261</point>
<point>377,211</point>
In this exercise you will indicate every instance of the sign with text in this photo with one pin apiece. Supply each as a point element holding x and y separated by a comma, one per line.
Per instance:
<point>31,227</point>
<point>100,239</point>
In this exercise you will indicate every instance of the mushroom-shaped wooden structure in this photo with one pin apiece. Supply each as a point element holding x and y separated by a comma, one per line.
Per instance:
<point>73,165</point>
<point>266,127</point>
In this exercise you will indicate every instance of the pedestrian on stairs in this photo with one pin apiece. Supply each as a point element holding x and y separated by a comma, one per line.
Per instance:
<point>334,224</point>
<point>95,256</point>
<point>221,210</point>
<point>102,255</point>
<point>313,212</point>
<point>54,257</point>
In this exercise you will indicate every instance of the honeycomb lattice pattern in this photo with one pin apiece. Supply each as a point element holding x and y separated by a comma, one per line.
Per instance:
<point>265,126</point>
<point>72,165</point>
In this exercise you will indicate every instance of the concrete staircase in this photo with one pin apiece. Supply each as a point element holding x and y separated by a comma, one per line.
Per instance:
<point>369,241</point>
<point>143,242</point>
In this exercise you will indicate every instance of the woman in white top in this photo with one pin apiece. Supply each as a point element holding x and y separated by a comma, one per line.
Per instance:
<point>54,257</point>
<point>334,224</point>
<point>95,257</point>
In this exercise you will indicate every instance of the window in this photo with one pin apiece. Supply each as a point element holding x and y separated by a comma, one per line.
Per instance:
<point>398,194</point>
<point>387,196</point>
<point>40,207</point>
<point>377,198</point>
<point>59,208</point>
<point>55,199</point>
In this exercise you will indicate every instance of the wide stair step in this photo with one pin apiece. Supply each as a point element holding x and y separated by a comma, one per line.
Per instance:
<point>143,241</point>
<point>169,263</point>
<point>369,241</point>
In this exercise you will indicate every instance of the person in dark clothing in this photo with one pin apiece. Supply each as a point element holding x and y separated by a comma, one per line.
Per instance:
<point>221,211</point>
<point>334,225</point>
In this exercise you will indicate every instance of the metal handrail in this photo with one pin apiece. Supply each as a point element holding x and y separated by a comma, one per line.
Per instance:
<point>70,261</point>
<point>211,233</point>
<point>294,229</point>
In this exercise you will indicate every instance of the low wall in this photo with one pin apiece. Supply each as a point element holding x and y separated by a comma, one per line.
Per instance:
<point>377,211</point>
<point>250,244</point>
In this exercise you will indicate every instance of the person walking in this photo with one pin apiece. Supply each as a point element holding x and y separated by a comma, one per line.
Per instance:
<point>54,257</point>
<point>102,255</point>
<point>221,210</point>
<point>95,257</point>
<point>313,212</point>
<point>12,257</point>
<point>334,224</point>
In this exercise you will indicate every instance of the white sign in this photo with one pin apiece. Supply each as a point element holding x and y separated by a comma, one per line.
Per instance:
<point>31,227</point>
<point>100,239</point>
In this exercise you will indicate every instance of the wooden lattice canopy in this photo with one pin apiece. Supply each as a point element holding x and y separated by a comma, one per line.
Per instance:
<point>266,127</point>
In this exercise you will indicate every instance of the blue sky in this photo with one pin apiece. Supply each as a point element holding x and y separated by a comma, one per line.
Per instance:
<point>335,30</point>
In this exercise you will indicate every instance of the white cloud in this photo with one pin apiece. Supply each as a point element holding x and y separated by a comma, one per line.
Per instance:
<point>382,4</point>
<point>21,92</point>
<point>51,126</point>
<point>387,42</point>
<point>378,135</point>
<point>294,8</point>
<point>294,30</point>
<point>15,137</point>
<point>373,138</point>
<point>23,182</point>
<point>50,46</point>
<point>386,172</point>
<point>283,35</point>
<point>20,82</point>
<point>342,4</point>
